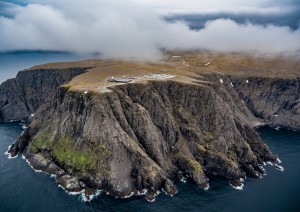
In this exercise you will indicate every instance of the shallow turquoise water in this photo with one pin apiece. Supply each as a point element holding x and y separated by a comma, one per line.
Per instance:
<point>22,189</point>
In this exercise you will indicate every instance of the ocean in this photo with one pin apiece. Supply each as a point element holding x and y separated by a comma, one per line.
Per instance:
<point>13,62</point>
<point>23,189</point>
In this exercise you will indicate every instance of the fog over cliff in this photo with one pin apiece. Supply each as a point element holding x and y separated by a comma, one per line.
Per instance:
<point>140,28</point>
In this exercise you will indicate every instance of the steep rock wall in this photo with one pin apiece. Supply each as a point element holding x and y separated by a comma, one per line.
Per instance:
<point>275,101</point>
<point>142,136</point>
<point>20,97</point>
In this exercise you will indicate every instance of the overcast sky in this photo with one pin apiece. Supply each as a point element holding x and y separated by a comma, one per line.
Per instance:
<point>140,28</point>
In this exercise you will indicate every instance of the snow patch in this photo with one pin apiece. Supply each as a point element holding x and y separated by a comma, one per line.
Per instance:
<point>221,81</point>
<point>231,84</point>
<point>85,92</point>
<point>247,81</point>
<point>207,63</point>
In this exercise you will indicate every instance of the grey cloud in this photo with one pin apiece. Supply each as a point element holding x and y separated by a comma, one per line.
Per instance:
<point>124,29</point>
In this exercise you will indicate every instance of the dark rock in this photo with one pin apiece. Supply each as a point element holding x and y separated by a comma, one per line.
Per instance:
<point>169,187</point>
<point>141,135</point>
<point>20,97</point>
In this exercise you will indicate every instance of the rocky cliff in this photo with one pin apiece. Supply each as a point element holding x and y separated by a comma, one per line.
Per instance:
<point>141,137</point>
<point>275,101</point>
<point>20,97</point>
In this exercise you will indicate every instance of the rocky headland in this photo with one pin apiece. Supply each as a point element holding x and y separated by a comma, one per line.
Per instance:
<point>192,117</point>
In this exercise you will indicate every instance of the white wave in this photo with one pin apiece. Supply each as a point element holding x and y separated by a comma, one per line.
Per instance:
<point>278,160</point>
<point>183,179</point>
<point>164,191</point>
<point>151,200</point>
<point>207,187</point>
<point>238,187</point>
<point>144,191</point>
<point>280,168</point>
<point>10,157</point>
<point>154,197</point>
<point>27,161</point>
<point>11,121</point>
<point>8,154</point>
<point>263,170</point>
<point>89,198</point>
<point>73,193</point>
<point>128,196</point>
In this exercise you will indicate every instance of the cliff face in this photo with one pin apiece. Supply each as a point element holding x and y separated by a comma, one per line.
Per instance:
<point>143,136</point>
<point>275,101</point>
<point>20,97</point>
<point>146,134</point>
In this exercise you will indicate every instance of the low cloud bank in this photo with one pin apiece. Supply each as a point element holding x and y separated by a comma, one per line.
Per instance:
<point>125,29</point>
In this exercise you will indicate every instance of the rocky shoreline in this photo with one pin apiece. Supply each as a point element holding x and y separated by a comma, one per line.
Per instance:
<point>140,138</point>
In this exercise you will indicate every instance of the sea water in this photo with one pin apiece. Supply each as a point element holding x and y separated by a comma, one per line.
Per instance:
<point>13,62</point>
<point>23,189</point>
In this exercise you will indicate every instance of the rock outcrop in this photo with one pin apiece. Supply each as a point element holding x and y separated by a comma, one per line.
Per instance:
<point>275,101</point>
<point>20,97</point>
<point>142,136</point>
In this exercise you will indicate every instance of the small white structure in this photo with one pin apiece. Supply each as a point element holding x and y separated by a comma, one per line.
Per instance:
<point>159,76</point>
<point>123,79</point>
